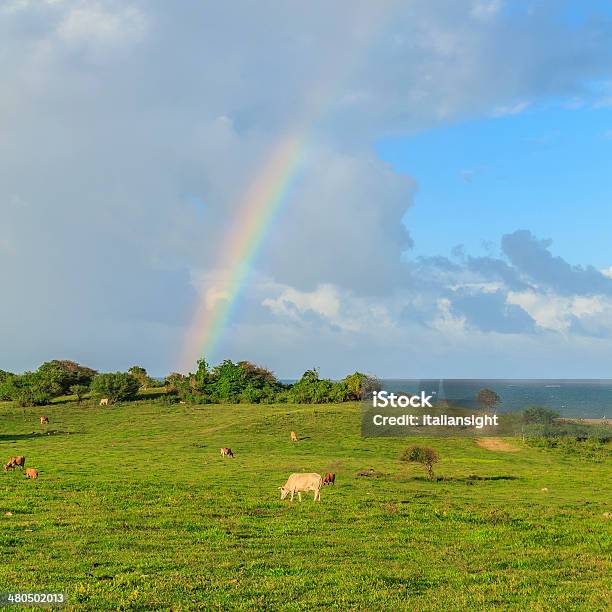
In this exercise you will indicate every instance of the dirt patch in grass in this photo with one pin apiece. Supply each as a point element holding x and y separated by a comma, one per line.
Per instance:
<point>496,444</point>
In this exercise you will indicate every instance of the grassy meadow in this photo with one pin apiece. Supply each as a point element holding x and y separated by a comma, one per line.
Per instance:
<point>134,509</point>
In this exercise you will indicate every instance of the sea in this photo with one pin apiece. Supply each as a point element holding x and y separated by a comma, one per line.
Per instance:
<point>589,398</point>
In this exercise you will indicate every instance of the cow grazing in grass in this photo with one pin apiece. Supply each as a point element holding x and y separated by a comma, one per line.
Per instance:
<point>298,483</point>
<point>227,452</point>
<point>31,473</point>
<point>329,478</point>
<point>104,401</point>
<point>44,420</point>
<point>14,462</point>
<point>294,437</point>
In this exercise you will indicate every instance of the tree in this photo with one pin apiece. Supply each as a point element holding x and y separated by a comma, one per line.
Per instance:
<point>537,414</point>
<point>421,454</point>
<point>140,374</point>
<point>173,381</point>
<point>79,391</point>
<point>60,375</point>
<point>116,386</point>
<point>256,375</point>
<point>34,395</point>
<point>361,385</point>
<point>27,389</point>
<point>488,398</point>
<point>7,386</point>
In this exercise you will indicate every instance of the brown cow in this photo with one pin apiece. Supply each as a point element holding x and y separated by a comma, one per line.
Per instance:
<point>31,473</point>
<point>329,478</point>
<point>44,419</point>
<point>14,462</point>
<point>294,437</point>
<point>226,452</point>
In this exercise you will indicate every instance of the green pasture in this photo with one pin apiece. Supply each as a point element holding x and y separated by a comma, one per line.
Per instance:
<point>135,509</point>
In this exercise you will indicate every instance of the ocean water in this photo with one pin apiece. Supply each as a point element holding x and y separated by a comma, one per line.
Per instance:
<point>570,398</point>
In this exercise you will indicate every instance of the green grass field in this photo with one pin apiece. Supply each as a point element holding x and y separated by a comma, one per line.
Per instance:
<point>134,509</point>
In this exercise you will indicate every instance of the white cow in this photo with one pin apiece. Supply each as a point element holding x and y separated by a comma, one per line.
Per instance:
<point>104,401</point>
<point>302,482</point>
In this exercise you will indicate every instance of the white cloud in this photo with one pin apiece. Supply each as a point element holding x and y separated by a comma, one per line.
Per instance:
<point>93,23</point>
<point>512,109</point>
<point>486,9</point>
<point>445,321</point>
<point>555,312</point>
<point>324,301</point>
<point>116,115</point>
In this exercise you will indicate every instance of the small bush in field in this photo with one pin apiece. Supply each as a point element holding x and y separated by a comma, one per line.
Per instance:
<point>421,454</point>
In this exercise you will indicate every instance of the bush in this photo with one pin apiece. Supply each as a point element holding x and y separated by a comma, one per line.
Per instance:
<point>117,386</point>
<point>361,385</point>
<point>228,382</point>
<point>7,386</point>
<point>246,382</point>
<point>28,389</point>
<point>488,398</point>
<point>421,454</point>
<point>79,391</point>
<point>173,382</point>
<point>35,395</point>
<point>60,375</point>
<point>537,414</point>
<point>311,389</point>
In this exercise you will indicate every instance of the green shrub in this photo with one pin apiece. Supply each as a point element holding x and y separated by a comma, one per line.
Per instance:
<point>27,389</point>
<point>539,415</point>
<point>488,398</point>
<point>60,375</point>
<point>116,386</point>
<point>34,395</point>
<point>7,386</point>
<point>421,454</point>
<point>246,382</point>
<point>79,391</point>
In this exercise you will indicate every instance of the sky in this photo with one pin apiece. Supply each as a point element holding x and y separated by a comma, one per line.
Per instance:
<point>448,214</point>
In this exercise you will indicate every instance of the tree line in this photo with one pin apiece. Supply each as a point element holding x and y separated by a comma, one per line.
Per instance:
<point>227,382</point>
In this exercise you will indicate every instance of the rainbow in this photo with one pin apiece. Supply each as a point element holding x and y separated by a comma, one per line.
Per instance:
<point>241,246</point>
<point>267,192</point>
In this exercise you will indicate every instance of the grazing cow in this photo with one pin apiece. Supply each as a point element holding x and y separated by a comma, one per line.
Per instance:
<point>329,478</point>
<point>104,401</point>
<point>298,483</point>
<point>294,437</point>
<point>227,452</point>
<point>31,473</point>
<point>44,419</point>
<point>14,462</point>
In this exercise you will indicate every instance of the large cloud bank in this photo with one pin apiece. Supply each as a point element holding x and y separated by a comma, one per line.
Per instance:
<point>131,129</point>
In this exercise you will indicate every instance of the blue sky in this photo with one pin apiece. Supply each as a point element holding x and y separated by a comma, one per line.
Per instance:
<point>132,130</point>
<point>547,169</point>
